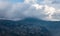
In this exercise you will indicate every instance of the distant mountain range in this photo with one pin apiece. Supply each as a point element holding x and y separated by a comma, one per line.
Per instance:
<point>29,27</point>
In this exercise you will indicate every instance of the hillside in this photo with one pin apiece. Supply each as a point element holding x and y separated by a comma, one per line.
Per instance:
<point>29,27</point>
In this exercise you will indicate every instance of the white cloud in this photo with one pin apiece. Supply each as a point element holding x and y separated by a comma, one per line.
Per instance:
<point>44,10</point>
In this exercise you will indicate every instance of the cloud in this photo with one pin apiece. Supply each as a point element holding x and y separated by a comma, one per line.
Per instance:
<point>56,2</point>
<point>43,9</point>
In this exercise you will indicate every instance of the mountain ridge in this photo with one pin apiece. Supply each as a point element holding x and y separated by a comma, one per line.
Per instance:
<point>52,26</point>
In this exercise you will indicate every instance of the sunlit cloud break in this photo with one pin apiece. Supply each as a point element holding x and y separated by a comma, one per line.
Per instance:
<point>40,9</point>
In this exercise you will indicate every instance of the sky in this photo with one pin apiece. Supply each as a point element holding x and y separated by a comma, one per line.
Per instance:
<point>48,10</point>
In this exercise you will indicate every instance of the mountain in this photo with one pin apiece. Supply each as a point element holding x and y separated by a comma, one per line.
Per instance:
<point>29,27</point>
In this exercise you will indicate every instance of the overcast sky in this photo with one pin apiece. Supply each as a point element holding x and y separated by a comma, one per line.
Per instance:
<point>41,9</point>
